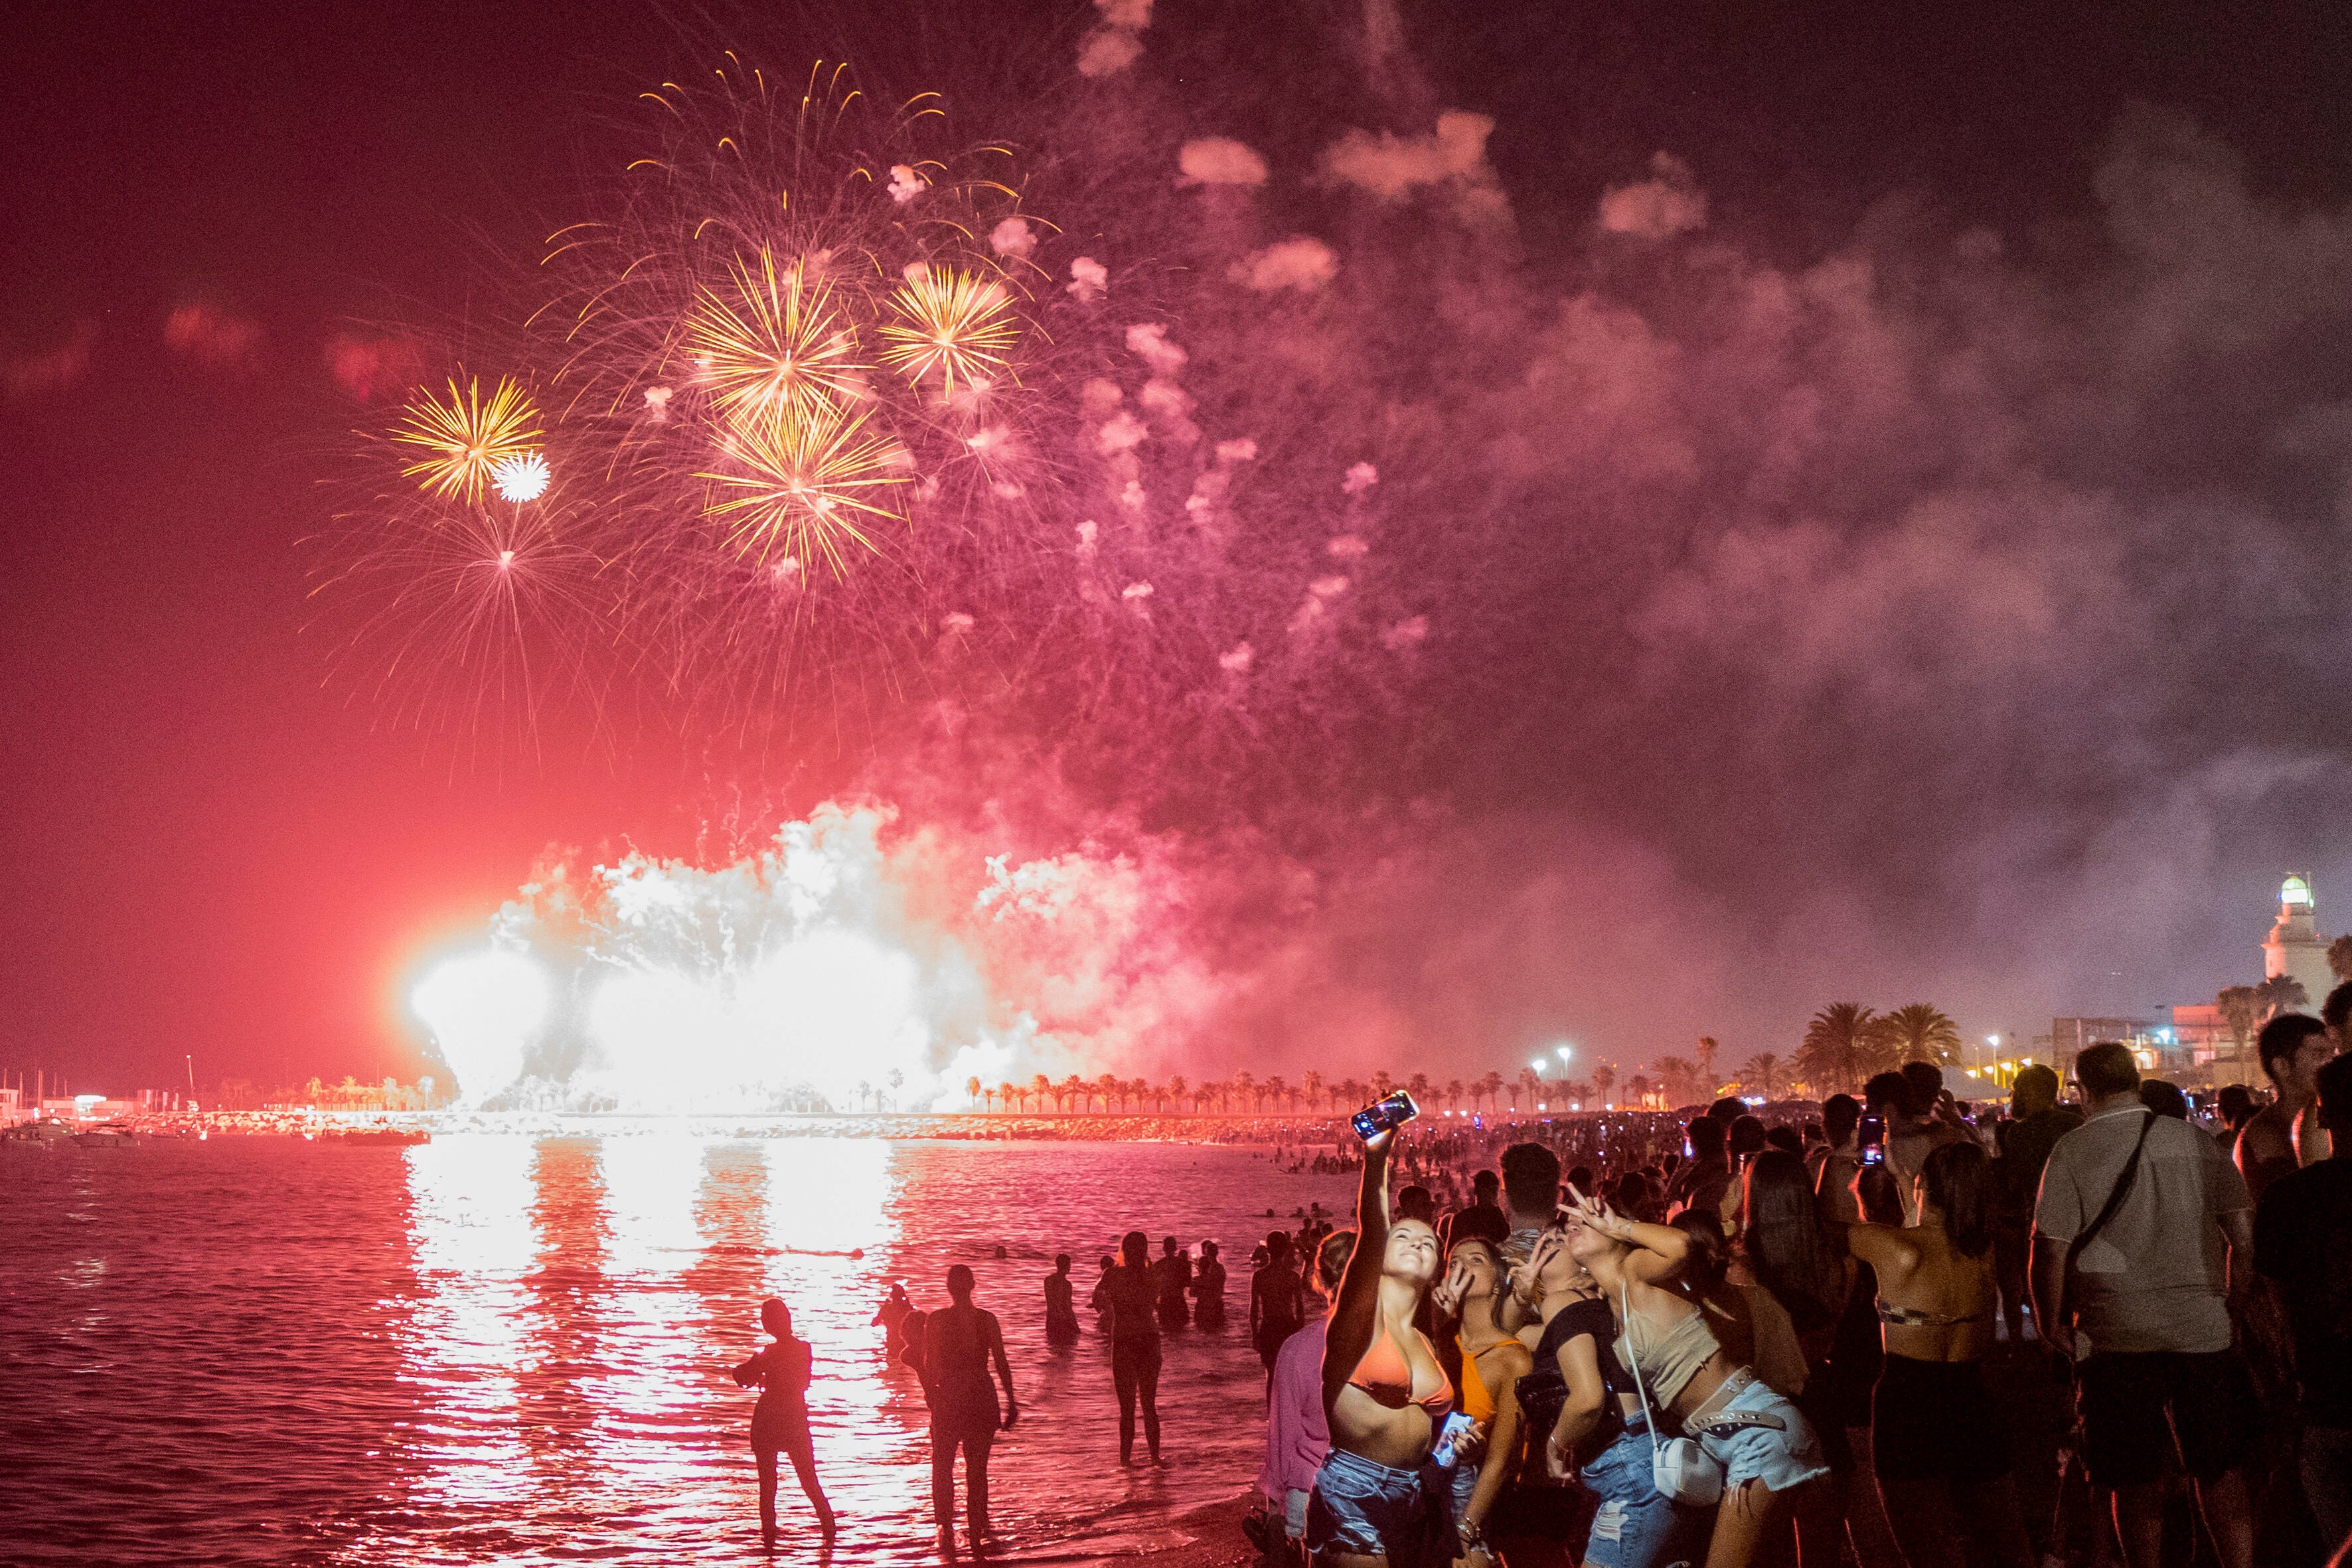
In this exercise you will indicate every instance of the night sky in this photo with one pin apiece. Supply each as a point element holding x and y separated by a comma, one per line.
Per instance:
<point>214,847</point>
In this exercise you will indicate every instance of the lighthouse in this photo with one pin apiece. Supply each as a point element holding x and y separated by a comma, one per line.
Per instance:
<point>2295,946</point>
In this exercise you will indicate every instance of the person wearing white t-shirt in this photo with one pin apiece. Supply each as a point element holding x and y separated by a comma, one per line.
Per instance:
<point>2142,1304</point>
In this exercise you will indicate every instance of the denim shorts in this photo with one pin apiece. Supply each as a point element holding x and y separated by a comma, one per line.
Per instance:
<point>1377,1510</point>
<point>1636,1527</point>
<point>1776,1445</point>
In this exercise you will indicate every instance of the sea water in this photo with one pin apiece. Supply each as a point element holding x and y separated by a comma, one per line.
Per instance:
<point>515,1348</point>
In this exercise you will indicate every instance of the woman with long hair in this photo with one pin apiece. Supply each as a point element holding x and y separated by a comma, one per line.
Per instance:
<point>1798,1254</point>
<point>1940,1444</point>
<point>960,1343</point>
<point>1594,1427</point>
<point>1378,1501</point>
<point>780,1422</point>
<point>1134,1326</point>
<point>1493,1362</point>
<point>1765,1446</point>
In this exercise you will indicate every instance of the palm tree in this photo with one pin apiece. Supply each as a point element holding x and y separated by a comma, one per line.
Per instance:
<point>1177,1091</point>
<point>1275,1088</point>
<point>1920,1033</point>
<point>1072,1089</point>
<point>1310,1084</point>
<point>2240,1006</point>
<point>1840,1047</point>
<point>1382,1084</point>
<point>1604,1077</point>
<point>1040,1090</point>
<point>1711,1082</point>
<point>1417,1086</point>
<point>1639,1090</point>
<point>1530,1088</point>
<point>1763,1074</point>
<point>972,1091</point>
<point>2280,993</point>
<point>1453,1094</point>
<point>1676,1077</point>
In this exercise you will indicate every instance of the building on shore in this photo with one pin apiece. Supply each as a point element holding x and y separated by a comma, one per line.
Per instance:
<point>2193,1044</point>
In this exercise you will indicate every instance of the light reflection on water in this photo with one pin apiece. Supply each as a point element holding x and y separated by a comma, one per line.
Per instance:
<point>516,1349</point>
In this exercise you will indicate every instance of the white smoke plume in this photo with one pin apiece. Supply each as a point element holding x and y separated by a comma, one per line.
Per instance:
<point>1219,160</point>
<point>1300,262</point>
<point>1668,202</point>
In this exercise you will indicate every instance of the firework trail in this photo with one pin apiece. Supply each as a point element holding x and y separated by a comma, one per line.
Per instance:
<point>859,440</point>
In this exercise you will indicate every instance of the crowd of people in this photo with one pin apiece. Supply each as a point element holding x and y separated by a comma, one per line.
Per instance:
<point>1803,1342</point>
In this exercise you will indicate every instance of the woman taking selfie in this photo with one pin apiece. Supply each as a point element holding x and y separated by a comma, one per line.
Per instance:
<point>1761,1447</point>
<point>1378,1501</point>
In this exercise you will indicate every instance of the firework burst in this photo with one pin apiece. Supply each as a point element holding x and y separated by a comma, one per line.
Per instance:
<point>773,340</point>
<point>800,481</point>
<point>468,436</point>
<point>951,323</point>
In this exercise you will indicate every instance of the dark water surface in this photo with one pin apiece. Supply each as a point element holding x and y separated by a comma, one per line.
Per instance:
<point>514,1348</point>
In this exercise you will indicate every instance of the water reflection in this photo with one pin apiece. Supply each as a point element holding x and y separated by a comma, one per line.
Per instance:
<point>467,1341</point>
<point>579,1302</point>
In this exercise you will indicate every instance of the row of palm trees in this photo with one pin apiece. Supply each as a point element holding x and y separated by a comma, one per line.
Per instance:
<point>1844,1045</point>
<point>1245,1094</point>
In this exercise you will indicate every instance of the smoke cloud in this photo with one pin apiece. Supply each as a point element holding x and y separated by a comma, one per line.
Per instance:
<point>1536,631</point>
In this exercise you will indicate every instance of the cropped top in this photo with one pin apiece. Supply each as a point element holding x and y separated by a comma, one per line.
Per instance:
<point>1476,1403</point>
<point>1387,1376</point>
<point>1668,1358</point>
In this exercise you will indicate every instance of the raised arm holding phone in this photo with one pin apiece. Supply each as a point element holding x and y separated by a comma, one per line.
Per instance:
<point>1378,1499</point>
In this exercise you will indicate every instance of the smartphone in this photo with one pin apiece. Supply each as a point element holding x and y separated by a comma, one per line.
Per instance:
<point>1872,1137</point>
<point>1457,1425</point>
<point>1383,1114</point>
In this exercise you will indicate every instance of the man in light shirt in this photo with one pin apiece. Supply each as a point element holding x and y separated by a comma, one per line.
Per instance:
<point>2143,1306</point>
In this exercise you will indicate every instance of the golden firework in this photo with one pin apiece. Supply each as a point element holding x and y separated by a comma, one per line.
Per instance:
<point>805,481</point>
<point>953,322</point>
<point>468,436</point>
<point>772,340</point>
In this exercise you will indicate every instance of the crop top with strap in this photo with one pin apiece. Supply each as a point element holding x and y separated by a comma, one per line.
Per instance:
<point>1476,1403</point>
<point>1387,1375</point>
<point>1668,1359</point>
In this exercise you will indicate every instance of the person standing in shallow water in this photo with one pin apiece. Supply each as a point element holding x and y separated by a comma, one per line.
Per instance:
<point>1133,1297</point>
<point>1061,1302</point>
<point>1209,1289</point>
<point>960,1341</point>
<point>780,1422</point>
<point>1276,1311</point>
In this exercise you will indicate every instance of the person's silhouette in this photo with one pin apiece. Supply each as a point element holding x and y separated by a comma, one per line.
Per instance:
<point>780,1422</point>
<point>960,1341</point>
<point>1061,1302</point>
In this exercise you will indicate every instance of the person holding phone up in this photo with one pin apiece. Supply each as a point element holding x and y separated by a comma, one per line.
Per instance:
<point>1378,1500</point>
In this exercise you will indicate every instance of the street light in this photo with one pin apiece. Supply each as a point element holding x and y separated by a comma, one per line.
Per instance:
<point>1564,1053</point>
<point>1538,1065</point>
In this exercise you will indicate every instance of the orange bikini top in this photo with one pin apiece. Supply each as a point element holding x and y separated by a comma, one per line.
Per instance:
<point>1387,1376</point>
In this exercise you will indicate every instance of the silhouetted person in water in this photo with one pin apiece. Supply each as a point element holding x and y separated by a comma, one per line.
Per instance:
<point>1208,1288</point>
<point>959,1342</point>
<point>1060,1296</point>
<point>781,1422</point>
<point>1133,1295</point>
<point>1276,1311</point>
<point>892,1316</point>
<point>1174,1277</point>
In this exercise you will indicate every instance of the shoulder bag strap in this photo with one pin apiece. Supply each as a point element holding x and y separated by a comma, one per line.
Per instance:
<point>2116,1198</point>
<point>1633,1364</point>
